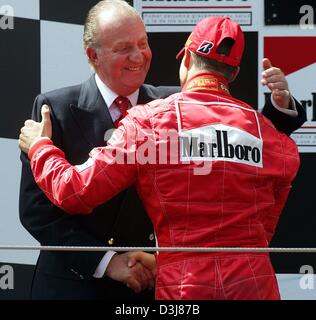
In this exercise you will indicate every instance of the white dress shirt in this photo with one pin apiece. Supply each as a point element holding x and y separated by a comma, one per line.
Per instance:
<point>109,96</point>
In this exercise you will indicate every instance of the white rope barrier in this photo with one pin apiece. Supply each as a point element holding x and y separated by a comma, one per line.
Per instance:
<point>159,249</point>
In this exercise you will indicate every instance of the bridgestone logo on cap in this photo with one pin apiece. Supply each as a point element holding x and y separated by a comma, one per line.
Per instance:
<point>221,143</point>
<point>205,47</point>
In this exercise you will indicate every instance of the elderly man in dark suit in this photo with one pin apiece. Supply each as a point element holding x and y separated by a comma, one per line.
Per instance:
<point>116,44</point>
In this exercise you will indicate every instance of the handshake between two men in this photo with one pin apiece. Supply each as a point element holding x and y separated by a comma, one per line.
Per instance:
<point>136,269</point>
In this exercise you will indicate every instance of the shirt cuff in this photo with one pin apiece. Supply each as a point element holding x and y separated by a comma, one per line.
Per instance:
<point>290,112</point>
<point>101,268</point>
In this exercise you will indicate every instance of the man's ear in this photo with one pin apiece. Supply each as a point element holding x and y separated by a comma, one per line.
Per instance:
<point>92,55</point>
<point>235,74</point>
<point>187,58</point>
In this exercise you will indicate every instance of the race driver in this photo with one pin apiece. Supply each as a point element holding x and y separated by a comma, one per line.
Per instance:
<point>210,170</point>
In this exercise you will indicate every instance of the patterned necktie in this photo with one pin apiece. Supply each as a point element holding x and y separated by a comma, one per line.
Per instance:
<point>123,104</point>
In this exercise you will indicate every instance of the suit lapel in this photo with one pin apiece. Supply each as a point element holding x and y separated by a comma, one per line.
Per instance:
<point>144,95</point>
<point>92,114</point>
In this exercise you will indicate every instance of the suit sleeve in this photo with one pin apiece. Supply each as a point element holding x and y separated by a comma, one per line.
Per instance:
<point>79,189</point>
<point>48,224</point>
<point>282,121</point>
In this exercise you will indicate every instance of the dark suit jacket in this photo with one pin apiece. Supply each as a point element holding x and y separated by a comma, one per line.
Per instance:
<point>281,121</point>
<point>80,118</point>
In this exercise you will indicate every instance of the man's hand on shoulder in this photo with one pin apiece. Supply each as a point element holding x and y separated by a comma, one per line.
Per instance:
<point>34,131</point>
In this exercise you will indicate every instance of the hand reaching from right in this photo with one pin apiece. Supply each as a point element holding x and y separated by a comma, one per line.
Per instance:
<point>135,269</point>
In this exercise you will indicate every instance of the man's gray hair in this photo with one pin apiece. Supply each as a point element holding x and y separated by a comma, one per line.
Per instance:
<point>91,27</point>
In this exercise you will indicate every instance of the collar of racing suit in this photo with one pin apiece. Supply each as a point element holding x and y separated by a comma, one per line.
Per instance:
<point>206,82</point>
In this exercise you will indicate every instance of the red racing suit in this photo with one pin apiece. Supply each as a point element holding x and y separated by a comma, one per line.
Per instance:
<point>211,172</point>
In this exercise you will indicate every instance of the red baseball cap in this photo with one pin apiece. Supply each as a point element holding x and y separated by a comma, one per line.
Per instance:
<point>209,33</point>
